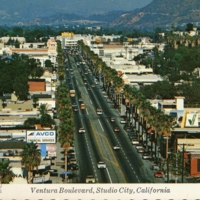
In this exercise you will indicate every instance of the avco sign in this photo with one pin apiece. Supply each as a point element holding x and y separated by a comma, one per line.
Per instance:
<point>41,136</point>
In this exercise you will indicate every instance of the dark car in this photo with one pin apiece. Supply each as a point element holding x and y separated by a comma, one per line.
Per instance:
<point>73,166</point>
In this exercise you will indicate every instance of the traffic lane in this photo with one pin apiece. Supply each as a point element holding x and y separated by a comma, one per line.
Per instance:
<point>124,162</point>
<point>95,153</point>
<point>126,168</point>
<point>121,137</point>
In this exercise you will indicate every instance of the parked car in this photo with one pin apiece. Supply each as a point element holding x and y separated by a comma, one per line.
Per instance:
<point>141,150</point>
<point>145,156</point>
<point>101,165</point>
<point>71,150</point>
<point>134,141</point>
<point>123,121</point>
<point>154,167</point>
<point>138,146</point>
<point>108,100</point>
<point>73,166</point>
<point>158,174</point>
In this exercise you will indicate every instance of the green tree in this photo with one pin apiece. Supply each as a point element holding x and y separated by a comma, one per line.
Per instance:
<point>31,158</point>
<point>43,109</point>
<point>5,172</point>
<point>46,120</point>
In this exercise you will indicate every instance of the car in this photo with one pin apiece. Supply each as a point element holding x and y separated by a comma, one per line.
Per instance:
<point>74,105</point>
<point>76,108</point>
<point>93,85</point>
<point>80,100</point>
<point>116,129</point>
<point>90,179</point>
<point>108,100</point>
<point>158,174</point>
<point>105,96</point>
<point>71,155</point>
<point>112,119</point>
<point>116,147</point>
<point>138,146</point>
<point>101,165</point>
<point>154,167</point>
<point>112,106</point>
<point>72,160</point>
<point>141,150</point>
<point>88,88</point>
<point>145,156</point>
<point>134,141</point>
<point>123,121</point>
<point>71,150</point>
<point>81,130</point>
<point>73,166</point>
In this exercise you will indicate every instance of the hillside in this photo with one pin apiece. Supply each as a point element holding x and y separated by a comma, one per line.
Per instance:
<point>160,13</point>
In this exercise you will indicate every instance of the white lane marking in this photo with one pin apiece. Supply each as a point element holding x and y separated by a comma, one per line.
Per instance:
<point>100,125</point>
<point>76,82</point>
<point>86,91</point>
<point>90,101</point>
<point>109,175</point>
<point>87,111</point>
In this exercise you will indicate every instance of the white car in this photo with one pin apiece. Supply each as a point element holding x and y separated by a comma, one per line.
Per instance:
<point>134,141</point>
<point>90,179</point>
<point>112,119</point>
<point>123,121</point>
<point>81,130</point>
<point>101,165</point>
<point>138,146</point>
<point>116,147</point>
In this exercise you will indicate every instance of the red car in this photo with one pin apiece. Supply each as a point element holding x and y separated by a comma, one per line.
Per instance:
<point>158,174</point>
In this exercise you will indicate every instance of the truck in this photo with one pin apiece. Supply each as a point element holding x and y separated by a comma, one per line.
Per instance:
<point>72,93</point>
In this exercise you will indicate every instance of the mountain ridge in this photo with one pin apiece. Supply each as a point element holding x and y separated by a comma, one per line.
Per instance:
<point>160,13</point>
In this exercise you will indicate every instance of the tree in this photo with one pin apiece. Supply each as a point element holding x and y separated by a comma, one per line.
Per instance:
<point>35,101</point>
<point>5,172</point>
<point>190,27</point>
<point>46,120</point>
<point>31,158</point>
<point>21,87</point>
<point>48,63</point>
<point>43,109</point>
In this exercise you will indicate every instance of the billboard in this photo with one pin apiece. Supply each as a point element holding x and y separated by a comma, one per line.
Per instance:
<point>41,136</point>
<point>192,119</point>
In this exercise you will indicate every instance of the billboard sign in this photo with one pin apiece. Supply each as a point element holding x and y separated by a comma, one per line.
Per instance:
<point>192,120</point>
<point>41,136</point>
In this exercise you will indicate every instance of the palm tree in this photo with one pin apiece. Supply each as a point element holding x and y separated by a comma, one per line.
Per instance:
<point>31,158</point>
<point>43,109</point>
<point>6,175</point>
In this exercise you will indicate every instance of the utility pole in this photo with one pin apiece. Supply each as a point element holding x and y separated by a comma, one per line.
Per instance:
<point>183,162</point>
